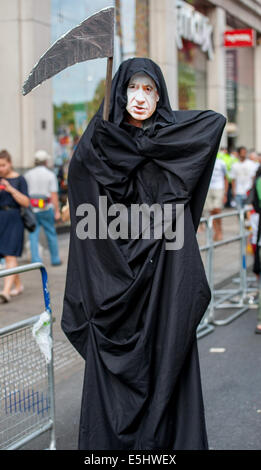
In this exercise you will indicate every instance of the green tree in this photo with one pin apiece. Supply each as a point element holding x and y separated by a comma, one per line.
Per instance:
<point>64,116</point>
<point>94,104</point>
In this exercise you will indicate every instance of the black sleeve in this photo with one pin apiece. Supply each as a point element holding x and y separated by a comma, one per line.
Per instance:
<point>200,189</point>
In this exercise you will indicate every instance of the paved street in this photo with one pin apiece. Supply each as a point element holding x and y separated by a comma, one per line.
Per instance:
<point>231,379</point>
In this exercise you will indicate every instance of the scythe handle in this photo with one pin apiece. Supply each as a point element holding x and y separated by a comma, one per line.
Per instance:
<point>107,96</point>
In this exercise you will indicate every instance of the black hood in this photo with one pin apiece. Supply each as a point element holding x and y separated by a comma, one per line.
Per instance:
<point>118,100</point>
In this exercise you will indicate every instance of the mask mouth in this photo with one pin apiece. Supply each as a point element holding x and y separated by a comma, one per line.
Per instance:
<point>139,107</point>
<point>139,111</point>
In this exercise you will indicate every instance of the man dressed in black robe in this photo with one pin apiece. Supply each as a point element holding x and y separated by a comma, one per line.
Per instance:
<point>132,305</point>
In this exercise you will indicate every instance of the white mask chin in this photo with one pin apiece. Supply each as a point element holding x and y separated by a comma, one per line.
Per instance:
<point>142,96</point>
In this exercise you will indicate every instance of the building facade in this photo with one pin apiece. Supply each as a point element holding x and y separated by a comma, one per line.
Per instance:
<point>26,122</point>
<point>186,38</point>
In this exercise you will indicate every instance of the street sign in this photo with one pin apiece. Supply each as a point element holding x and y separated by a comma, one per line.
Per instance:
<point>240,38</point>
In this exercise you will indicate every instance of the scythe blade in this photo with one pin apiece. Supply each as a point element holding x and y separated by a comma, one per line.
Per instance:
<point>91,39</point>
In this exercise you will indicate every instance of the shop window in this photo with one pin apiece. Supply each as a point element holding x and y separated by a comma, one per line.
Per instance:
<point>192,77</point>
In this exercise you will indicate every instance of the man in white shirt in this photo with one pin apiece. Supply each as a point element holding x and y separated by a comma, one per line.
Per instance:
<point>242,174</point>
<point>216,197</point>
<point>253,158</point>
<point>43,191</point>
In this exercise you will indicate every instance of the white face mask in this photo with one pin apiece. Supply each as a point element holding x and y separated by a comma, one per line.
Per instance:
<point>142,96</point>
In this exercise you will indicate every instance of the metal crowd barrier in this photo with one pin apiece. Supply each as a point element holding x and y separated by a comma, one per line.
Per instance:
<point>236,298</point>
<point>26,379</point>
<point>205,327</point>
<point>229,294</point>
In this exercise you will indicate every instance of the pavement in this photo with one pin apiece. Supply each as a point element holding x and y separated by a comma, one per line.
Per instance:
<point>229,355</point>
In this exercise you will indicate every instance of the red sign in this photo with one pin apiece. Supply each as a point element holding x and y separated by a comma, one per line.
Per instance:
<point>240,38</point>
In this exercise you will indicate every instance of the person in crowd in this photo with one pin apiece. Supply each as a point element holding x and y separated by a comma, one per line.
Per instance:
<point>62,182</point>
<point>43,191</point>
<point>217,196</point>
<point>253,158</point>
<point>229,158</point>
<point>62,176</point>
<point>234,153</point>
<point>76,140</point>
<point>242,175</point>
<point>13,196</point>
<point>256,237</point>
<point>65,212</point>
<point>258,326</point>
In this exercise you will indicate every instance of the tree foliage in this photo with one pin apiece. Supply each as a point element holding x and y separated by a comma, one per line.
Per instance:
<point>64,113</point>
<point>94,104</point>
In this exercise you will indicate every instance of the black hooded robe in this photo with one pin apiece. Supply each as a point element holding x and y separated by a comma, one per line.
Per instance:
<point>131,307</point>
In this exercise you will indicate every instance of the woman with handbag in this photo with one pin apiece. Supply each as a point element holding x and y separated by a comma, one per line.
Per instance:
<point>13,196</point>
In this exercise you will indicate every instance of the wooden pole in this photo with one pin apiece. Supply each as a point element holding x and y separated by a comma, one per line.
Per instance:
<point>106,107</point>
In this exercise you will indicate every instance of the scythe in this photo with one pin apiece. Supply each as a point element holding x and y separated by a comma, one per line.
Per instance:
<point>91,39</point>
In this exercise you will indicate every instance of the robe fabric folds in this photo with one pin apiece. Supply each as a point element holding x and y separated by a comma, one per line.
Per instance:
<point>131,306</point>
